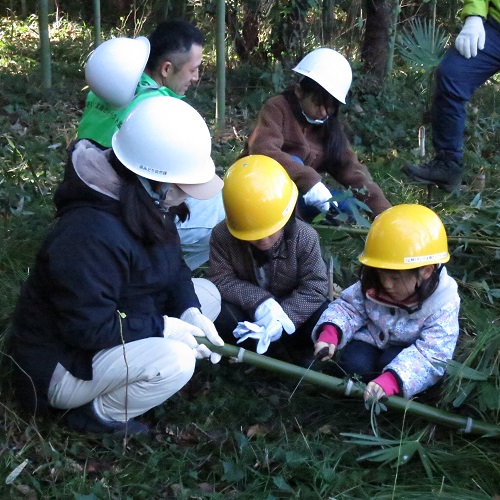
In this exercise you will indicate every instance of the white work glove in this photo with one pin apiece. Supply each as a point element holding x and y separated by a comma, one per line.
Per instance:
<point>318,197</point>
<point>271,316</point>
<point>194,317</point>
<point>472,37</point>
<point>177,329</point>
<point>246,330</point>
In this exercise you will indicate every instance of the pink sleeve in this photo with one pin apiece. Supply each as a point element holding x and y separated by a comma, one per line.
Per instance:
<point>329,334</point>
<point>388,383</point>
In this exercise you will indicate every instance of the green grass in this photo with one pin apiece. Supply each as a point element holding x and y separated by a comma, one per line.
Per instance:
<point>233,431</point>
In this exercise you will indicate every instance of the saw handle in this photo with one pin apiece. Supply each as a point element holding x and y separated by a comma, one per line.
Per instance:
<point>322,353</point>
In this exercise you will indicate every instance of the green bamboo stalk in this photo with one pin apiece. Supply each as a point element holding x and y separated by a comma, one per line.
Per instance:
<point>220,106</point>
<point>360,231</point>
<point>43,25</point>
<point>349,388</point>
<point>395,9</point>
<point>97,23</point>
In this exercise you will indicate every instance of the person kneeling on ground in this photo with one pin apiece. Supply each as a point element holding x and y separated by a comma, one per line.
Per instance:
<point>266,264</point>
<point>105,325</point>
<point>302,130</point>
<point>398,325</point>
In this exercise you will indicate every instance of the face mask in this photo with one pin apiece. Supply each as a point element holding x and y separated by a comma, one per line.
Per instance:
<point>158,197</point>
<point>174,196</point>
<point>314,122</point>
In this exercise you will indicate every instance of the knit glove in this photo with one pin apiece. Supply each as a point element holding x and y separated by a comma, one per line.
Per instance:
<point>177,329</point>
<point>318,196</point>
<point>472,37</point>
<point>247,330</point>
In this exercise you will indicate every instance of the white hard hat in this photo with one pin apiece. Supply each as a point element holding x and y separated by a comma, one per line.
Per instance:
<point>166,140</point>
<point>114,69</point>
<point>328,68</point>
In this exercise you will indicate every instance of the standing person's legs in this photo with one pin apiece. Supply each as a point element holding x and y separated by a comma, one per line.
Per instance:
<point>456,80</point>
<point>127,380</point>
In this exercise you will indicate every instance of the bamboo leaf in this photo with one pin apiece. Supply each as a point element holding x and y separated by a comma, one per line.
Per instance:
<point>426,462</point>
<point>458,369</point>
<point>281,484</point>
<point>368,440</point>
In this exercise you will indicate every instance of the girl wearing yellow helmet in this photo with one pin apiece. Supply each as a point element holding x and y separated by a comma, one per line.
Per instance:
<point>398,325</point>
<point>266,264</point>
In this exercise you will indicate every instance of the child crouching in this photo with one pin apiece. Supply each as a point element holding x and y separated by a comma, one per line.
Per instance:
<point>398,325</point>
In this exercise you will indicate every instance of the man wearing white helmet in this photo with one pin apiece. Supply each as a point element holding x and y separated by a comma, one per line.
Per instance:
<point>301,130</point>
<point>121,73</point>
<point>105,325</point>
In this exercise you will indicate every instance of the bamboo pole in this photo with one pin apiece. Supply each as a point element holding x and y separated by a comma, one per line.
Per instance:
<point>344,231</point>
<point>220,98</point>
<point>97,23</point>
<point>330,278</point>
<point>395,9</point>
<point>351,389</point>
<point>43,25</point>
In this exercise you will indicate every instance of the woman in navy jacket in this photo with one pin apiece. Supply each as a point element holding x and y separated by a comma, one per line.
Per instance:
<point>105,323</point>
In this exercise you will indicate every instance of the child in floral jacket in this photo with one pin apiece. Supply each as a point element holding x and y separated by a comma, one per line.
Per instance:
<point>398,325</point>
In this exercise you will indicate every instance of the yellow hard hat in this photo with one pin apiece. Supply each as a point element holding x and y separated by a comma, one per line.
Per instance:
<point>259,197</point>
<point>405,237</point>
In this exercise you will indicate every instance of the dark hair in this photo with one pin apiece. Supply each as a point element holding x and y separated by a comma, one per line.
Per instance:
<point>172,40</point>
<point>335,141</point>
<point>370,280</point>
<point>141,215</point>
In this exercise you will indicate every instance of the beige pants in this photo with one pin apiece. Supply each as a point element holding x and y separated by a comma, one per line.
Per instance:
<point>129,380</point>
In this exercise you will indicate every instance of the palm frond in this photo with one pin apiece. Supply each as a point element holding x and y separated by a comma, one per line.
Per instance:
<point>422,45</point>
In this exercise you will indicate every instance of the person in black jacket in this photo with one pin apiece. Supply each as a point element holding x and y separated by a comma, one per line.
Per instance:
<point>105,324</point>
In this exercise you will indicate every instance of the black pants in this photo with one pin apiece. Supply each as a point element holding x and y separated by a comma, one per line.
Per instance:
<point>296,348</point>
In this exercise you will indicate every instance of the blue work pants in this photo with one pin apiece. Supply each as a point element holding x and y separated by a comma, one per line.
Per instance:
<point>456,79</point>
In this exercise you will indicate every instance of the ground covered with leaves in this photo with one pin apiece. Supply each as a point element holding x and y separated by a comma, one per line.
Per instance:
<point>235,430</point>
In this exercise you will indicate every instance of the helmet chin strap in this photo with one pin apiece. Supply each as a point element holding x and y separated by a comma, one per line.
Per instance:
<point>157,197</point>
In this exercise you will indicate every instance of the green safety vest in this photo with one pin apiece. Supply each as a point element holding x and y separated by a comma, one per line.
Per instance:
<point>100,120</point>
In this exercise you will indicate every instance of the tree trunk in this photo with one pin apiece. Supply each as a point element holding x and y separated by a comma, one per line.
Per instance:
<point>327,20</point>
<point>169,8</point>
<point>375,48</point>
<point>249,38</point>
